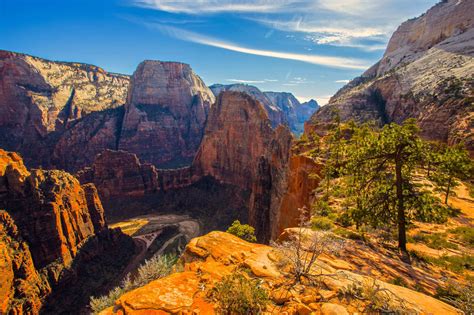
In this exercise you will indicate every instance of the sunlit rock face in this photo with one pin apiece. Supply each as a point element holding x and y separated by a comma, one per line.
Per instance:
<point>40,100</point>
<point>426,73</point>
<point>165,114</point>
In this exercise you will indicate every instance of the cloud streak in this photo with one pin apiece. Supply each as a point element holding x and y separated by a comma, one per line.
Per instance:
<point>327,61</point>
<point>217,6</point>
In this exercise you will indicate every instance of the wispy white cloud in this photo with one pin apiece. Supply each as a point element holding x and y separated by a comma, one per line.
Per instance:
<point>328,61</point>
<point>342,81</point>
<point>337,35</point>
<point>245,81</point>
<point>217,6</point>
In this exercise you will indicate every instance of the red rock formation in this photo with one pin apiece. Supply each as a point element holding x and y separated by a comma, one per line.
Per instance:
<point>21,287</point>
<point>54,216</point>
<point>120,173</point>
<point>241,148</point>
<point>40,99</point>
<point>209,258</point>
<point>165,114</point>
<point>275,113</point>
<point>301,184</point>
<point>426,73</point>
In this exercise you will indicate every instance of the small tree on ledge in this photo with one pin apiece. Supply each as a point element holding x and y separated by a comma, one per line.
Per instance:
<point>244,231</point>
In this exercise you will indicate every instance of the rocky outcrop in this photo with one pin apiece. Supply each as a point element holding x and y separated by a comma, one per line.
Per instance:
<point>165,114</point>
<point>49,218</point>
<point>120,174</point>
<point>305,111</point>
<point>302,181</point>
<point>21,287</point>
<point>281,107</point>
<point>40,99</point>
<point>274,113</point>
<point>209,258</point>
<point>51,208</point>
<point>426,73</point>
<point>241,148</point>
<point>238,132</point>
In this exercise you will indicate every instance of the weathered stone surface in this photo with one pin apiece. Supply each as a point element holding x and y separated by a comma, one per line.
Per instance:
<point>298,195</point>
<point>53,226</point>
<point>165,114</point>
<point>241,148</point>
<point>426,74</point>
<point>288,104</point>
<point>120,173</point>
<point>333,309</point>
<point>39,99</point>
<point>209,258</point>
<point>282,107</point>
<point>275,114</point>
<point>21,287</point>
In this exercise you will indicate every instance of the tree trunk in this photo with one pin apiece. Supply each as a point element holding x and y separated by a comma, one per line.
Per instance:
<point>448,190</point>
<point>402,238</point>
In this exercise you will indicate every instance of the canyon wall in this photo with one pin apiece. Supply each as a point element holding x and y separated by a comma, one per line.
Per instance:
<point>40,99</point>
<point>49,217</point>
<point>281,107</point>
<point>165,114</point>
<point>426,73</point>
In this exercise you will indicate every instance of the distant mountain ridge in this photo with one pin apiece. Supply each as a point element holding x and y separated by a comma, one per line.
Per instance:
<point>282,107</point>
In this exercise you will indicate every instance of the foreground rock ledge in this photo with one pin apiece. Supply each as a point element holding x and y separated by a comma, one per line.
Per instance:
<point>208,258</point>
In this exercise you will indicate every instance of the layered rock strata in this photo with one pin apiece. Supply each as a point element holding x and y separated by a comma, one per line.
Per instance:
<point>41,99</point>
<point>426,73</point>
<point>165,114</point>
<point>49,218</point>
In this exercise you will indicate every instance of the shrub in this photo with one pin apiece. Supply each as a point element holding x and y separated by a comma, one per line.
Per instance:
<point>238,294</point>
<point>300,252</point>
<point>348,234</point>
<point>321,223</point>
<point>154,268</point>
<point>458,295</point>
<point>344,220</point>
<point>321,208</point>
<point>436,241</point>
<point>244,231</point>
<point>464,234</point>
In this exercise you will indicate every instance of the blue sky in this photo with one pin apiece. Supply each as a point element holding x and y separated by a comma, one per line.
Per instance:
<point>307,47</point>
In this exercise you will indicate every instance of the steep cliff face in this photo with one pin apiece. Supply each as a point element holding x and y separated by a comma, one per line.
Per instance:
<point>281,107</point>
<point>275,114</point>
<point>237,134</point>
<point>39,99</point>
<point>299,193</point>
<point>21,287</point>
<point>241,148</point>
<point>165,114</point>
<point>49,218</point>
<point>120,174</point>
<point>51,208</point>
<point>426,73</point>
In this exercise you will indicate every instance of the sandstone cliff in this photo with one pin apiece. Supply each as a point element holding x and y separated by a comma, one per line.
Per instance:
<point>21,287</point>
<point>281,107</point>
<point>49,219</point>
<point>40,99</point>
<point>426,73</point>
<point>274,113</point>
<point>209,258</point>
<point>165,114</point>
<point>241,148</point>
<point>121,173</point>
